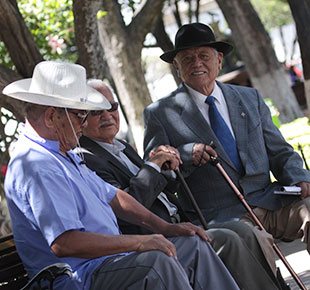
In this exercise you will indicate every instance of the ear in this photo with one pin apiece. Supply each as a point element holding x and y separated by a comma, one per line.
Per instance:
<point>220,60</point>
<point>50,116</point>
<point>175,65</point>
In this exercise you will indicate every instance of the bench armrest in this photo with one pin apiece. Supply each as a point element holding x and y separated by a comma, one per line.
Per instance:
<point>49,273</point>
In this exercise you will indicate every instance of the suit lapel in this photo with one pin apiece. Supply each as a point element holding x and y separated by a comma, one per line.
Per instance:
<point>192,117</point>
<point>96,149</point>
<point>238,118</point>
<point>132,155</point>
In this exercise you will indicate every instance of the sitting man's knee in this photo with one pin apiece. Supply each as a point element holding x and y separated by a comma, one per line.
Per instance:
<point>222,239</point>
<point>155,259</point>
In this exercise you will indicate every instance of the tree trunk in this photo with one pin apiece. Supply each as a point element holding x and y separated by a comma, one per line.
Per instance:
<point>255,48</point>
<point>7,76</point>
<point>283,43</point>
<point>24,54</point>
<point>122,45</point>
<point>164,42</point>
<point>176,13</point>
<point>301,13</point>
<point>22,49</point>
<point>91,53</point>
<point>17,38</point>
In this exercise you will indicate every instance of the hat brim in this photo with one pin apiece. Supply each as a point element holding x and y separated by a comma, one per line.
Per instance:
<point>220,46</point>
<point>20,90</point>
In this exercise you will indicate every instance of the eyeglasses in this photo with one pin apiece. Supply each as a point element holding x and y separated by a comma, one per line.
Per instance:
<point>82,116</point>
<point>114,107</point>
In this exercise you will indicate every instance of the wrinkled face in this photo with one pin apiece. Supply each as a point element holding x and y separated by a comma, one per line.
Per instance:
<point>65,131</point>
<point>103,125</point>
<point>198,67</point>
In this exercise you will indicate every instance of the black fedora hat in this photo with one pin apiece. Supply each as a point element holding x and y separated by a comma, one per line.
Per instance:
<point>194,35</point>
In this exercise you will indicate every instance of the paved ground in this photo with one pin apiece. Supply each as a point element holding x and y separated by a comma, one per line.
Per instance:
<point>299,259</point>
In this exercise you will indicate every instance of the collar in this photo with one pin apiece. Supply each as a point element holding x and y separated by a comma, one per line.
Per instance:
<point>115,148</point>
<point>200,98</point>
<point>48,144</point>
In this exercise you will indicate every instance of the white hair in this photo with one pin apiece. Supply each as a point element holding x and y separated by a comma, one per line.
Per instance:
<point>97,84</point>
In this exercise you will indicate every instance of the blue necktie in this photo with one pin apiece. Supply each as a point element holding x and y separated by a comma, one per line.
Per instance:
<point>223,133</point>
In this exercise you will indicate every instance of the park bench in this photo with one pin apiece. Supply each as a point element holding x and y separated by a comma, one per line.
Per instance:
<point>13,275</point>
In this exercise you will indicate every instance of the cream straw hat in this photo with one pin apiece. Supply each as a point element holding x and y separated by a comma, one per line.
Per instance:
<point>58,84</point>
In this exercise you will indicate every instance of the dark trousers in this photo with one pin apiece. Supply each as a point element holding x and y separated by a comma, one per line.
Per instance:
<point>238,247</point>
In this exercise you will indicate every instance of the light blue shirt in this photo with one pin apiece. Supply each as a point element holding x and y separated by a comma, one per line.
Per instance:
<point>48,194</point>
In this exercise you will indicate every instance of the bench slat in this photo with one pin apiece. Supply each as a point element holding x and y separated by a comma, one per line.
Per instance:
<point>13,276</point>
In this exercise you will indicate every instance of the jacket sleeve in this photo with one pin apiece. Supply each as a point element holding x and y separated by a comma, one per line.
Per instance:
<point>155,135</point>
<point>144,186</point>
<point>285,163</point>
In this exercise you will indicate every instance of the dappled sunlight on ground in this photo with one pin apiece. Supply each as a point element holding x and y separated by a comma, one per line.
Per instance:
<point>299,259</point>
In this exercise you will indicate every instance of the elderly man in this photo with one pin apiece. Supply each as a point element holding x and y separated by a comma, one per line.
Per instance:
<point>118,163</point>
<point>238,122</point>
<point>63,212</point>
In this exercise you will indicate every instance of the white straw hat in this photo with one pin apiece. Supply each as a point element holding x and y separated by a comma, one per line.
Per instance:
<point>58,84</point>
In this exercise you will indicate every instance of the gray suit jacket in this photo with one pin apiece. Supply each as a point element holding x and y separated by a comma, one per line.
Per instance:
<point>176,120</point>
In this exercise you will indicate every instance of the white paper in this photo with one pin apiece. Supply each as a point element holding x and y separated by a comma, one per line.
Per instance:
<point>289,190</point>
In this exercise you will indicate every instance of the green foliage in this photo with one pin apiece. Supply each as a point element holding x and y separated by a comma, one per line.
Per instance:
<point>52,26</point>
<point>273,111</point>
<point>298,132</point>
<point>5,57</point>
<point>273,13</point>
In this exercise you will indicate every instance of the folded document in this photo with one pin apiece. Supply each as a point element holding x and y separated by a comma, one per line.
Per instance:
<point>293,190</point>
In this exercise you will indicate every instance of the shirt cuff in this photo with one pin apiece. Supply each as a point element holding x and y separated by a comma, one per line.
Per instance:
<point>152,164</point>
<point>168,173</point>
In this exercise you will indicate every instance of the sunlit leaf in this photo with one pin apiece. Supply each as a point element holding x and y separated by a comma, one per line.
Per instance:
<point>101,13</point>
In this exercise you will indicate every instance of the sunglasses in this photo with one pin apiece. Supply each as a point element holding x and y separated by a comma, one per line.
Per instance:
<point>114,107</point>
<point>82,116</point>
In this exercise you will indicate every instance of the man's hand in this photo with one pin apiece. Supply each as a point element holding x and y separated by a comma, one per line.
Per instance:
<point>167,155</point>
<point>185,229</point>
<point>305,189</point>
<point>156,242</point>
<point>202,153</point>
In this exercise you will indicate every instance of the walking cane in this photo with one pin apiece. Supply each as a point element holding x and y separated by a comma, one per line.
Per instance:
<point>191,197</point>
<point>215,162</point>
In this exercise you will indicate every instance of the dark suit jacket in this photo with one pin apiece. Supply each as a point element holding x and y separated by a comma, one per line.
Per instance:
<point>144,186</point>
<point>177,121</point>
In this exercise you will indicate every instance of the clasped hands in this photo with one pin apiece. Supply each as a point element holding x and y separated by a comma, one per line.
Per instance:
<point>169,157</point>
<point>166,157</point>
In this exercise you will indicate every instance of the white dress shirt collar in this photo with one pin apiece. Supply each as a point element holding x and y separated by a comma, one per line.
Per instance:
<point>115,148</point>
<point>220,103</point>
<point>200,98</point>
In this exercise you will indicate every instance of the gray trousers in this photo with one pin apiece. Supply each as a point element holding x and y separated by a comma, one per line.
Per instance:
<point>197,267</point>
<point>237,246</point>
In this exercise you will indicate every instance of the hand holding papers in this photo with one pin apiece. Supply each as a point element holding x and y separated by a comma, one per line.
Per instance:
<point>289,190</point>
